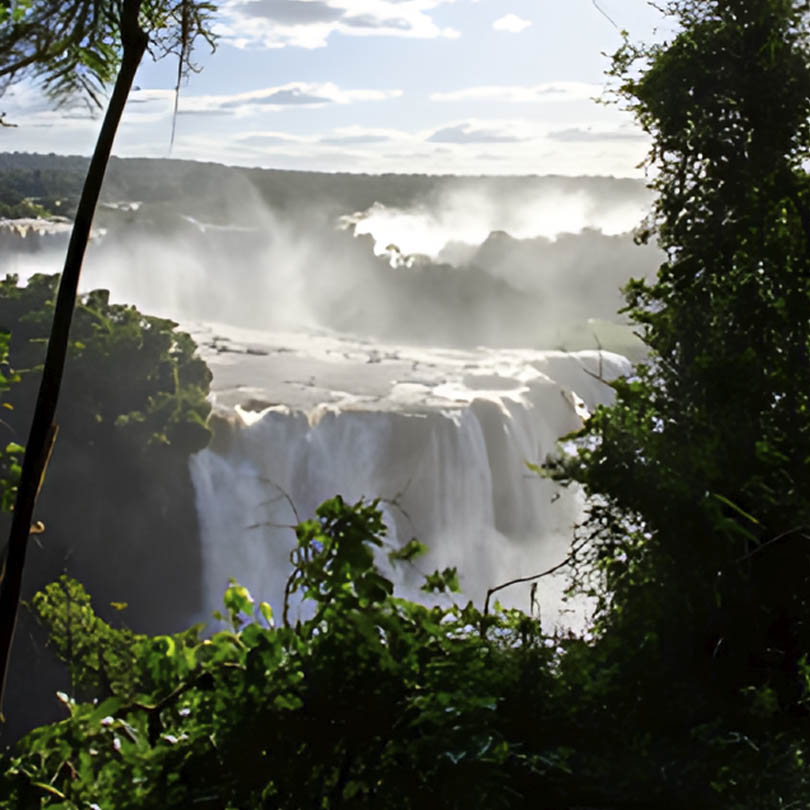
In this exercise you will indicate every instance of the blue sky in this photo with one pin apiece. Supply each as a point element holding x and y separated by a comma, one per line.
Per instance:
<point>448,86</point>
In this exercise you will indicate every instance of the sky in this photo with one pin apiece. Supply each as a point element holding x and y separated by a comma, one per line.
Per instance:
<point>413,86</point>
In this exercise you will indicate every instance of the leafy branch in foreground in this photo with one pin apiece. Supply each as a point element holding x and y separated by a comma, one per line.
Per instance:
<point>74,50</point>
<point>374,701</point>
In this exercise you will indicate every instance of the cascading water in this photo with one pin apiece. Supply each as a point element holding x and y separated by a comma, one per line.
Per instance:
<point>346,403</point>
<point>442,437</point>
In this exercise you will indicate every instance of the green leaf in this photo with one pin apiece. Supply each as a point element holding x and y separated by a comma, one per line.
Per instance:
<point>442,581</point>
<point>736,508</point>
<point>266,612</point>
<point>409,552</point>
<point>238,600</point>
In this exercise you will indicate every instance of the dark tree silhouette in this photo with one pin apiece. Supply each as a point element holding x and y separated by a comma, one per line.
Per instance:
<point>68,48</point>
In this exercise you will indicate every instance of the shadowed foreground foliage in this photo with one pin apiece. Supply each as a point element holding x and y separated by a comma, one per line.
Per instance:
<point>118,486</point>
<point>700,472</point>
<point>374,701</point>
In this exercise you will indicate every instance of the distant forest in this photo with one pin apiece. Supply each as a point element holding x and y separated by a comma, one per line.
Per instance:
<point>504,282</point>
<point>33,184</point>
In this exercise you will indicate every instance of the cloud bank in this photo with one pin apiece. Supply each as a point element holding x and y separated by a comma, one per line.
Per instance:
<point>523,94</point>
<point>310,23</point>
<point>290,95</point>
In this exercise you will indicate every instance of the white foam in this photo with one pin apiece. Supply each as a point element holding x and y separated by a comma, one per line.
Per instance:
<point>443,436</point>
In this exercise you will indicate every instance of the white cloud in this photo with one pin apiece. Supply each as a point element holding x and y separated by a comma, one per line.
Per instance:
<point>511,23</point>
<point>269,138</point>
<point>471,146</point>
<point>285,96</point>
<point>587,134</point>
<point>237,128</point>
<point>516,94</point>
<point>356,136</point>
<point>309,23</point>
<point>475,132</point>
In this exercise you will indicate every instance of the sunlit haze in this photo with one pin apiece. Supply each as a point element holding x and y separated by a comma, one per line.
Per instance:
<point>469,218</point>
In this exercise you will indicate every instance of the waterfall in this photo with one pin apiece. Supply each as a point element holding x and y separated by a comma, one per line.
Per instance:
<point>441,435</point>
<point>445,451</point>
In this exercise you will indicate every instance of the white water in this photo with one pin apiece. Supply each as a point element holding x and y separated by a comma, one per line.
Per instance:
<point>442,436</point>
<point>469,216</point>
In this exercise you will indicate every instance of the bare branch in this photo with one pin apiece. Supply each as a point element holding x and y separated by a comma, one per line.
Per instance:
<point>567,561</point>
<point>605,14</point>
<point>762,546</point>
<point>284,494</point>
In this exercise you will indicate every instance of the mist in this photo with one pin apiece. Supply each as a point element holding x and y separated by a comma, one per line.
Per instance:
<point>301,305</point>
<point>469,215</point>
<point>473,263</point>
<point>410,338</point>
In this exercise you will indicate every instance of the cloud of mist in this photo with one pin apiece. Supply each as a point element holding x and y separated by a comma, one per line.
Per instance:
<point>470,215</point>
<point>263,269</point>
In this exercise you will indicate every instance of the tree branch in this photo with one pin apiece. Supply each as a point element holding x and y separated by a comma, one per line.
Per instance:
<point>567,561</point>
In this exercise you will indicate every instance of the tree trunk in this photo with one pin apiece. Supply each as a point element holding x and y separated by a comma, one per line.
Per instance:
<point>42,433</point>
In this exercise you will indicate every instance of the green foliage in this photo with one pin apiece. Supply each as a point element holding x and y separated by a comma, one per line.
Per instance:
<point>24,209</point>
<point>133,382</point>
<point>696,544</point>
<point>703,461</point>
<point>100,658</point>
<point>11,453</point>
<point>40,189</point>
<point>13,12</point>
<point>374,701</point>
<point>442,582</point>
<point>409,552</point>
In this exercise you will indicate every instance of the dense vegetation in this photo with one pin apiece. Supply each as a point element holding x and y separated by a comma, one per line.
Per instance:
<point>133,385</point>
<point>207,189</point>
<point>40,190</point>
<point>118,486</point>
<point>700,473</point>
<point>692,688</point>
<point>703,465</point>
<point>373,702</point>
